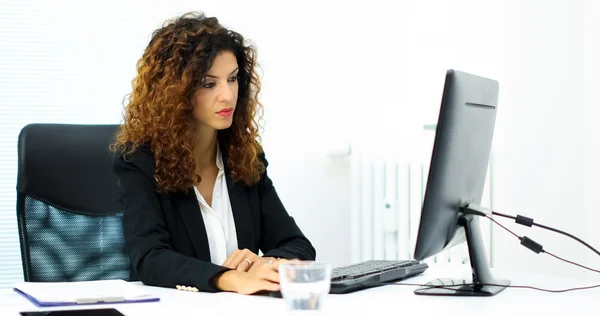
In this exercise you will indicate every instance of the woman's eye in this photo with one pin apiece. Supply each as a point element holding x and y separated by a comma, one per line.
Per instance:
<point>208,85</point>
<point>233,79</point>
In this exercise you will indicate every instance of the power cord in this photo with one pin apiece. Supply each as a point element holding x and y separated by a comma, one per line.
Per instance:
<point>537,248</point>
<point>526,221</point>
<point>527,242</point>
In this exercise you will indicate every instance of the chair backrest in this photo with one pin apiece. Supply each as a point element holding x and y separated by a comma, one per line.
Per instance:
<point>68,212</point>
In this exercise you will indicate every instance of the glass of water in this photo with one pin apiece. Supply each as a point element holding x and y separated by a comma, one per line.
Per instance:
<point>304,286</point>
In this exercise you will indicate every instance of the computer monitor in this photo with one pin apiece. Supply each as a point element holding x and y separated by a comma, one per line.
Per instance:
<point>456,180</point>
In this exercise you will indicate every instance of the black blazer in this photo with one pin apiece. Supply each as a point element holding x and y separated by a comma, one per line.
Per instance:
<point>165,234</point>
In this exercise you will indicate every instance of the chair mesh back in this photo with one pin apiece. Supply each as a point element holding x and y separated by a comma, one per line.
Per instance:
<point>64,246</point>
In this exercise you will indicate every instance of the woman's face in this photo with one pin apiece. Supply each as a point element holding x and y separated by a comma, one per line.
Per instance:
<point>215,100</point>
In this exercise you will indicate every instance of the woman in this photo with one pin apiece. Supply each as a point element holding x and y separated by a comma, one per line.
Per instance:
<point>191,171</point>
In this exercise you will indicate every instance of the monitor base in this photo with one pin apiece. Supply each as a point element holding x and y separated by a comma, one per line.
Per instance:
<point>458,287</point>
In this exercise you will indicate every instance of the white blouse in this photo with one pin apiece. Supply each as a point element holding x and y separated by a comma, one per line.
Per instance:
<point>218,218</point>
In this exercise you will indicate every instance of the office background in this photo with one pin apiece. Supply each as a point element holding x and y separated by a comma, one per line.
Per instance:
<point>346,82</point>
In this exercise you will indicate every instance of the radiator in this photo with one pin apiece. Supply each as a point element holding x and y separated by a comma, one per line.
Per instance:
<point>387,196</point>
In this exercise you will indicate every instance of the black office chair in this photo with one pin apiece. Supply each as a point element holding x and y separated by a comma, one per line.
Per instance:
<point>69,215</point>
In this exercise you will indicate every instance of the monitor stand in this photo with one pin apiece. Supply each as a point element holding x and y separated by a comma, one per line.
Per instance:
<point>483,283</point>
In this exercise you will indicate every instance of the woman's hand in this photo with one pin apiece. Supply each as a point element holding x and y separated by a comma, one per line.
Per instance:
<point>262,276</point>
<point>241,260</point>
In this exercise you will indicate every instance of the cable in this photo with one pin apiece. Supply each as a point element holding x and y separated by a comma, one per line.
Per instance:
<point>533,246</point>
<point>526,221</point>
<point>452,287</point>
<point>525,241</point>
<point>508,230</point>
<point>571,262</point>
<point>537,248</point>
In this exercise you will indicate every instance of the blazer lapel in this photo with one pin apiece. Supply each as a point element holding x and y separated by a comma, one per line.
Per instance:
<point>190,211</point>
<point>238,197</point>
<point>241,214</point>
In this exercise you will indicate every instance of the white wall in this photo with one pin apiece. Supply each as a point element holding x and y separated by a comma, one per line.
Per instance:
<point>371,73</point>
<point>591,215</point>
<point>545,145</point>
<point>371,76</point>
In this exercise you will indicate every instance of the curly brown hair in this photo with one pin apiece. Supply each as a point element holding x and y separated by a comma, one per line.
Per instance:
<point>159,109</point>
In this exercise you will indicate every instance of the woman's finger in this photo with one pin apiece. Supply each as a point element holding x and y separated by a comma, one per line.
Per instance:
<point>269,274</point>
<point>237,257</point>
<point>244,266</point>
<point>229,260</point>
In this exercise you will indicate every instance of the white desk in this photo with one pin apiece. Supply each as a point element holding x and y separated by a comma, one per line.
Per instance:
<point>399,300</point>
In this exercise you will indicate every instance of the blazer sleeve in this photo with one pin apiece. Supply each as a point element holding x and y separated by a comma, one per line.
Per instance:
<point>146,239</point>
<point>280,236</point>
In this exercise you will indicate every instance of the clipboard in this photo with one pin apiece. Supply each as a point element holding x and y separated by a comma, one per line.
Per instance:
<point>48,294</point>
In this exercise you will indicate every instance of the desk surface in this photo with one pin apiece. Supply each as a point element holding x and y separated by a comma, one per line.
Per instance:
<point>391,298</point>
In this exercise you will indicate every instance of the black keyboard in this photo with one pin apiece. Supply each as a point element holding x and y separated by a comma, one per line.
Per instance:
<point>373,273</point>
